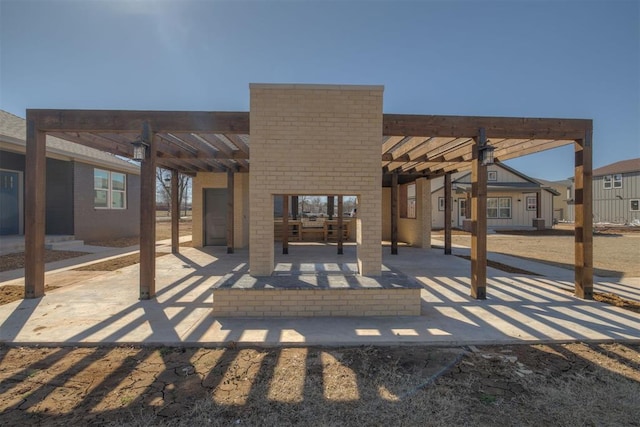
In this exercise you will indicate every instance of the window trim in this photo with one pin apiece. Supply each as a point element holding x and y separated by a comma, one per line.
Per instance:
<point>492,176</point>
<point>531,206</point>
<point>498,208</point>
<point>110,190</point>
<point>637,201</point>
<point>440,203</point>
<point>612,181</point>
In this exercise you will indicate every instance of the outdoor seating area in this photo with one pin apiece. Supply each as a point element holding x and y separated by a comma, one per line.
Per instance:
<point>313,230</point>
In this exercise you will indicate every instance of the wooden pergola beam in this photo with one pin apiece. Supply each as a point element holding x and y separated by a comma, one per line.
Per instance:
<point>148,216</point>
<point>447,213</point>
<point>35,177</point>
<point>495,127</point>
<point>132,121</point>
<point>583,218</point>
<point>175,213</point>
<point>478,221</point>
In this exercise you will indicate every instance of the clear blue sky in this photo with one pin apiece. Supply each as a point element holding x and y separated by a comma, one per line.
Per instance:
<point>570,59</point>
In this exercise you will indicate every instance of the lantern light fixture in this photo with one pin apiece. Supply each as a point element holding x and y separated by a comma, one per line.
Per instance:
<point>485,155</point>
<point>139,149</point>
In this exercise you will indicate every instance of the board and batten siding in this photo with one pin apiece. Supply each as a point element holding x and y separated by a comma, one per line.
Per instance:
<point>614,205</point>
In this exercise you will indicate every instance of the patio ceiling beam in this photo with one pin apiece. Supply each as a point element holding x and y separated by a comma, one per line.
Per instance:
<point>495,127</point>
<point>543,145</point>
<point>132,121</point>
<point>93,141</point>
<point>238,142</point>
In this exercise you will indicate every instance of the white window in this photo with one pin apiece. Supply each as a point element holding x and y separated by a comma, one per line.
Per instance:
<point>532,203</point>
<point>635,205</point>
<point>109,189</point>
<point>440,203</point>
<point>612,181</point>
<point>499,207</point>
<point>492,175</point>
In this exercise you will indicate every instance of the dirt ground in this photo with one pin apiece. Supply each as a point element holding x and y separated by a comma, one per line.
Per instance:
<point>16,260</point>
<point>616,253</point>
<point>570,384</point>
<point>560,384</point>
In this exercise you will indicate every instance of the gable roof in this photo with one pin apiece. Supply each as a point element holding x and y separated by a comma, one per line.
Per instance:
<point>531,182</point>
<point>623,166</point>
<point>13,131</point>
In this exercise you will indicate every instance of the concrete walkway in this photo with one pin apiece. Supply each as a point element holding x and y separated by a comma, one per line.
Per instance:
<point>519,309</point>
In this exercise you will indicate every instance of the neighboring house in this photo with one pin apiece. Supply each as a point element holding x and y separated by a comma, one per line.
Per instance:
<point>561,201</point>
<point>616,193</point>
<point>512,199</point>
<point>89,194</point>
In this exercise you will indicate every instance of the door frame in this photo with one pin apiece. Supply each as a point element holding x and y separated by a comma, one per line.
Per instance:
<point>20,198</point>
<point>204,214</point>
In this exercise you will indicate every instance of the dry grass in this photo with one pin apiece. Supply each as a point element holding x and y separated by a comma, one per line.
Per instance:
<point>16,260</point>
<point>565,385</point>
<point>614,255</point>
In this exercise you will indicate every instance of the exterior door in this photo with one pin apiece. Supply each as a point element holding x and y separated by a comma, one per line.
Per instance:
<point>9,203</point>
<point>462,211</point>
<point>215,217</point>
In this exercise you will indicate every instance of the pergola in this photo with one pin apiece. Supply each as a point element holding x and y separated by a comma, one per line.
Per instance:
<point>412,146</point>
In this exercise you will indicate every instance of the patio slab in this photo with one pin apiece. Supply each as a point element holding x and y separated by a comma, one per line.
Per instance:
<point>519,309</point>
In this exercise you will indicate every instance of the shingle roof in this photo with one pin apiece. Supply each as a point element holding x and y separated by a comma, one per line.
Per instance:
<point>624,166</point>
<point>13,130</point>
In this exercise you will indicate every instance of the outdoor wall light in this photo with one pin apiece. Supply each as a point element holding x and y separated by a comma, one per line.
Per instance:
<point>485,155</point>
<point>139,149</point>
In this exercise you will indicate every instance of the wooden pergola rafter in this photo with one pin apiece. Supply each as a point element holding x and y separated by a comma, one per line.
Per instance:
<point>412,146</point>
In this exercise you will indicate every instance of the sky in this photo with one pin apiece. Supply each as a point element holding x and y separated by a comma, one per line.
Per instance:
<point>519,58</point>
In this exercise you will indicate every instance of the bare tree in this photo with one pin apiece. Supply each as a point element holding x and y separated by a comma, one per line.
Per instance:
<point>163,177</point>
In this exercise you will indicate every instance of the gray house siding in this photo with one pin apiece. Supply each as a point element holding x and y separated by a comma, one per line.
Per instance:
<point>12,161</point>
<point>614,204</point>
<point>59,197</point>
<point>98,224</point>
<point>59,191</point>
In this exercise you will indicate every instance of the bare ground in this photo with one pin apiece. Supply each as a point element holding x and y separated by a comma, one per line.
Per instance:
<point>16,260</point>
<point>616,253</point>
<point>570,384</point>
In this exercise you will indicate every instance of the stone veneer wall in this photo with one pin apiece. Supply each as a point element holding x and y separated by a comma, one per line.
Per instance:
<point>315,139</point>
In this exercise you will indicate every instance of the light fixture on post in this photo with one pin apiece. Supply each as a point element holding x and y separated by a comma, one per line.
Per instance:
<point>485,155</point>
<point>140,149</point>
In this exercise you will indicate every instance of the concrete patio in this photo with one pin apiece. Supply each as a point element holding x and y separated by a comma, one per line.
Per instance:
<point>105,310</point>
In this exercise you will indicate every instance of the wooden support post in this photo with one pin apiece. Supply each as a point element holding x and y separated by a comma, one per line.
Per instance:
<point>175,213</point>
<point>340,225</point>
<point>394,213</point>
<point>331,206</point>
<point>148,216</point>
<point>35,173</point>
<point>478,220</point>
<point>538,204</point>
<point>294,207</point>
<point>285,224</point>
<point>584,218</point>
<point>230,210</point>
<point>447,214</point>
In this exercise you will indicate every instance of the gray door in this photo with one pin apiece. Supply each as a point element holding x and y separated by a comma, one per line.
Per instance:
<point>215,217</point>
<point>9,208</point>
